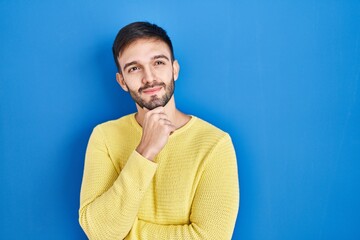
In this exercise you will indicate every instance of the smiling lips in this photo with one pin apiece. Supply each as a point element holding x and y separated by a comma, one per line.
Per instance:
<point>152,90</point>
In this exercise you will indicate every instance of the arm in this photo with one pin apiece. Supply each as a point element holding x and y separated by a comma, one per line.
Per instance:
<point>215,205</point>
<point>109,201</point>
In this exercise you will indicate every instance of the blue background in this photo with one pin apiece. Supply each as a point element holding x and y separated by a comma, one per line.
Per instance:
<point>282,77</point>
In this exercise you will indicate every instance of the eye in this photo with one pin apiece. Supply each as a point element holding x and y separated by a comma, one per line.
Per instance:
<point>159,63</point>
<point>132,69</point>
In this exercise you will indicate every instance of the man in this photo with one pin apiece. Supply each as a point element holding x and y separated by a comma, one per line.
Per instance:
<point>158,173</point>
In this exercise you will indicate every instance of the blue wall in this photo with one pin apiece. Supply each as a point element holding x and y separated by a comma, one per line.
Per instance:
<point>282,77</point>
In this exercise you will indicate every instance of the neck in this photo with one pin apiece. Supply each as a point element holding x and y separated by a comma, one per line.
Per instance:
<point>175,116</point>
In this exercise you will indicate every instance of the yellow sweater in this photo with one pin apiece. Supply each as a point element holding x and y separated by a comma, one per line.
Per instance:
<point>191,191</point>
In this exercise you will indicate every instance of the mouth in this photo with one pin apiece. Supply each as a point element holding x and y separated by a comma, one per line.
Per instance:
<point>152,90</point>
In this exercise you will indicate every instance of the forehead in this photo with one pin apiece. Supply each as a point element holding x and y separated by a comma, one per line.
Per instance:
<point>143,49</point>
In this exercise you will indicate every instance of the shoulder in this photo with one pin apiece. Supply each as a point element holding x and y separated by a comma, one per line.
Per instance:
<point>208,128</point>
<point>122,125</point>
<point>206,131</point>
<point>120,122</point>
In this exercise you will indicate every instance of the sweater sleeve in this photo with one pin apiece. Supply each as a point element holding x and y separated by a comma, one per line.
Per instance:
<point>215,205</point>
<point>109,201</point>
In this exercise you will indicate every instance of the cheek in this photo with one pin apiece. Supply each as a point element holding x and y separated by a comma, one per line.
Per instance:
<point>165,76</point>
<point>133,87</point>
<point>129,87</point>
<point>133,80</point>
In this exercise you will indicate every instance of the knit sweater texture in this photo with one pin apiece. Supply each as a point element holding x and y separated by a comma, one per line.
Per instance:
<point>190,191</point>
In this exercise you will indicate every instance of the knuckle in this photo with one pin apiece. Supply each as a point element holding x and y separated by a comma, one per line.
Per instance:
<point>148,114</point>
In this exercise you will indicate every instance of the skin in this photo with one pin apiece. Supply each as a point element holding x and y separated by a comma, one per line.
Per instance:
<point>147,72</point>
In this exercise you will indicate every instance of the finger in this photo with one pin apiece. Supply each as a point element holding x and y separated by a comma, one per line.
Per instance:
<point>154,114</point>
<point>172,129</point>
<point>155,110</point>
<point>151,116</point>
<point>161,116</point>
<point>170,126</point>
<point>164,121</point>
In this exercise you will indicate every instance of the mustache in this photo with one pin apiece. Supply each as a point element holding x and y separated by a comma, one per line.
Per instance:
<point>151,85</point>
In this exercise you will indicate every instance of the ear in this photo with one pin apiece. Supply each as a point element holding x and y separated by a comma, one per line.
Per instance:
<point>176,69</point>
<point>121,81</point>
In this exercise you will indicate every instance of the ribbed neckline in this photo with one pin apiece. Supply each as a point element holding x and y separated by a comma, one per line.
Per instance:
<point>177,132</point>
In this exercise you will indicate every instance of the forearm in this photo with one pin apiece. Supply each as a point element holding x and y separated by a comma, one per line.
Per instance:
<point>111,214</point>
<point>193,231</point>
<point>214,207</point>
<point>146,231</point>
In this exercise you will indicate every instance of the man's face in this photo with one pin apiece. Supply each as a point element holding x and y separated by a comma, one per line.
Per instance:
<point>148,72</point>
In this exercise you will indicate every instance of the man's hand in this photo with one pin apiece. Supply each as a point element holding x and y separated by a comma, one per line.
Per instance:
<point>156,131</point>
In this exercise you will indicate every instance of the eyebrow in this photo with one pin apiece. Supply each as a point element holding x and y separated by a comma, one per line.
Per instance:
<point>129,64</point>
<point>160,56</point>
<point>153,58</point>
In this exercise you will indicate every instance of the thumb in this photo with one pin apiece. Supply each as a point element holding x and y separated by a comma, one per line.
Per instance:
<point>155,110</point>
<point>146,110</point>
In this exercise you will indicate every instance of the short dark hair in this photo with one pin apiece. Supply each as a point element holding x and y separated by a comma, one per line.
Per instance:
<point>135,31</point>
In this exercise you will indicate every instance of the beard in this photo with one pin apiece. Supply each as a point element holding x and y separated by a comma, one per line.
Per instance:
<point>155,101</point>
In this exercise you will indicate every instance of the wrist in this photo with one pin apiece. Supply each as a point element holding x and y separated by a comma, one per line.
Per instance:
<point>146,153</point>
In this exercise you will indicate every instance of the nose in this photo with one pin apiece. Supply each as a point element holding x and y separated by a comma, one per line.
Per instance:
<point>148,76</point>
